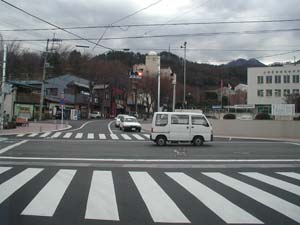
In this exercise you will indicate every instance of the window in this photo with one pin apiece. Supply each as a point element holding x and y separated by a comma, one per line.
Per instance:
<point>52,91</point>
<point>180,119</point>
<point>295,91</point>
<point>286,79</point>
<point>277,79</point>
<point>161,120</point>
<point>260,93</point>
<point>199,120</point>
<point>286,92</point>
<point>260,79</point>
<point>269,79</point>
<point>268,92</point>
<point>295,78</point>
<point>277,93</point>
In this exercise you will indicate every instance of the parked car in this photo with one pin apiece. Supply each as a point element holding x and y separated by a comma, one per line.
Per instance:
<point>180,127</point>
<point>130,123</point>
<point>118,119</point>
<point>95,115</point>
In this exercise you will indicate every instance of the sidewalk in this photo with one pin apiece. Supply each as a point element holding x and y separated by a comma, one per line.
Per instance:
<point>35,128</point>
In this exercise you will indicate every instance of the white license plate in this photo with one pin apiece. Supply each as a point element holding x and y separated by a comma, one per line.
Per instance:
<point>133,128</point>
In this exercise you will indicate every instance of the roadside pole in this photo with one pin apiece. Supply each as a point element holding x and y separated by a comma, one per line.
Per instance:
<point>43,81</point>
<point>3,85</point>
<point>158,84</point>
<point>62,103</point>
<point>173,75</point>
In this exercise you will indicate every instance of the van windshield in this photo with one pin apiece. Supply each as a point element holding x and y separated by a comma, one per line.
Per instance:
<point>161,120</point>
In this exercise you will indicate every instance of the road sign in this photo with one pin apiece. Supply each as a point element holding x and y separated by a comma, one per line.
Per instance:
<point>62,102</point>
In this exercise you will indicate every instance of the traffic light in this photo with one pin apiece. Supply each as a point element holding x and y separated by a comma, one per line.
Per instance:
<point>138,74</point>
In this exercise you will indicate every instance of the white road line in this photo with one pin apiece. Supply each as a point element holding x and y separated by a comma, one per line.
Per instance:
<point>290,174</point>
<point>33,134</point>
<point>138,137</point>
<point>273,181</point>
<point>161,207</point>
<point>47,200</point>
<point>13,184</point>
<point>5,149</point>
<point>102,203</point>
<point>45,134</point>
<point>4,169</point>
<point>108,126</point>
<point>126,137</point>
<point>293,143</point>
<point>102,136</point>
<point>90,136</point>
<point>82,126</point>
<point>56,135</point>
<point>68,135</point>
<point>147,136</point>
<point>114,137</point>
<point>226,210</point>
<point>280,205</point>
<point>21,135</point>
<point>79,135</point>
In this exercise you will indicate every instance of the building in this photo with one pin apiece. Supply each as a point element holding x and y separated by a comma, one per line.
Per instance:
<point>272,85</point>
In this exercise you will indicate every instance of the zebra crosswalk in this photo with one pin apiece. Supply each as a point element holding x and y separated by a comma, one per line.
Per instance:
<point>157,196</point>
<point>88,136</point>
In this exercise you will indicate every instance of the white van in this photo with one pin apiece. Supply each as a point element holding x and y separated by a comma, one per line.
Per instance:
<point>180,127</point>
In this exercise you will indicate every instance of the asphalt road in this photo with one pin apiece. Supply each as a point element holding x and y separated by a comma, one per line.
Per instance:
<point>125,179</point>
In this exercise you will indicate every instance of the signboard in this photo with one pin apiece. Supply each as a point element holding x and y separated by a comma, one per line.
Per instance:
<point>283,109</point>
<point>24,111</point>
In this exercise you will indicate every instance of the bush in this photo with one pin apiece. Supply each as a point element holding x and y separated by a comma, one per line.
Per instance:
<point>262,116</point>
<point>229,116</point>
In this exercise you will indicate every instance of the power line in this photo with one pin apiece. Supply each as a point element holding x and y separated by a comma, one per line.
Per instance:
<point>151,25</point>
<point>51,24</point>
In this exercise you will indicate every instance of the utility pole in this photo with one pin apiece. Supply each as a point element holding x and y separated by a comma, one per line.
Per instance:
<point>184,72</point>
<point>3,85</point>
<point>173,75</point>
<point>158,83</point>
<point>43,81</point>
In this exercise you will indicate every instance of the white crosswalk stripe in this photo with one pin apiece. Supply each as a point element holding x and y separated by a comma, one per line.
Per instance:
<point>114,137</point>
<point>161,207</point>
<point>33,134</point>
<point>4,169</point>
<point>275,182</point>
<point>47,200</point>
<point>102,136</point>
<point>214,201</point>
<point>56,135</point>
<point>290,174</point>
<point>280,205</point>
<point>79,136</point>
<point>126,137</point>
<point>67,135</point>
<point>147,136</point>
<point>10,186</point>
<point>90,136</point>
<point>45,134</point>
<point>102,203</point>
<point>21,135</point>
<point>138,137</point>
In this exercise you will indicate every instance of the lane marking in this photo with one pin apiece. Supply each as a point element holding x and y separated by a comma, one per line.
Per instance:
<point>102,136</point>
<point>5,149</point>
<point>33,134</point>
<point>21,135</point>
<point>280,205</point>
<point>114,137</point>
<point>161,207</point>
<point>13,184</point>
<point>90,136</point>
<point>293,143</point>
<point>102,202</point>
<point>147,136</point>
<point>126,137</point>
<point>56,135</point>
<point>290,174</point>
<point>138,137</point>
<point>47,200</point>
<point>273,181</point>
<point>45,134</point>
<point>4,169</point>
<point>214,201</point>
<point>79,135</point>
<point>108,126</point>
<point>68,135</point>
<point>82,126</point>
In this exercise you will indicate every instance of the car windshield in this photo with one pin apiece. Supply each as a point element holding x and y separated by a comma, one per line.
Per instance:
<point>130,120</point>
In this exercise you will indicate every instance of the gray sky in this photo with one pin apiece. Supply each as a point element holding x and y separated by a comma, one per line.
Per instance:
<point>206,49</point>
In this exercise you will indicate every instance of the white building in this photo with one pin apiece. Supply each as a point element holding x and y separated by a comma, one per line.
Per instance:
<point>271,85</point>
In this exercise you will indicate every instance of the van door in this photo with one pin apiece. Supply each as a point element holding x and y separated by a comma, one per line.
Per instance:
<point>180,127</point>
<point>200,126</point>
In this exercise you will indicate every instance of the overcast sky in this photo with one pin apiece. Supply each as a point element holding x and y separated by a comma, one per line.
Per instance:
<point>203,49</point>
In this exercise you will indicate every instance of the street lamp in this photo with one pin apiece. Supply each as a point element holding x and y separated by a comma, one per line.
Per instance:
<point>184,71</point>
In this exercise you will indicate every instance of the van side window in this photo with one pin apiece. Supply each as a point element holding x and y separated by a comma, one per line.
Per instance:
<point>199,120</point>
<point>161,120</point>
<point>180,119</point>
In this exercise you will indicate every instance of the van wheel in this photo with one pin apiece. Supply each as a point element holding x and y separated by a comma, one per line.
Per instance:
<point>161,141</point>
<point>198,141</point>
